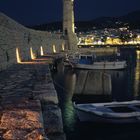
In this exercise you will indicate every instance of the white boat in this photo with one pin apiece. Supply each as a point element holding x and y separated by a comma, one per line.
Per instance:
<point>84,61</point>
<point>102,65</point>
<point>113,112</point>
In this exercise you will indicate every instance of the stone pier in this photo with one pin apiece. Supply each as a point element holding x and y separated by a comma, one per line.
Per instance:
<point>29,103</point>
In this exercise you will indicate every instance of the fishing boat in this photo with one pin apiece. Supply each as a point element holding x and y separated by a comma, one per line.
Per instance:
<point>112,112</point>
<point>88,61</point>
<point>102,65</point>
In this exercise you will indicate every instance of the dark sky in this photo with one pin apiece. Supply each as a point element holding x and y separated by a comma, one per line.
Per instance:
<point>32,12</point>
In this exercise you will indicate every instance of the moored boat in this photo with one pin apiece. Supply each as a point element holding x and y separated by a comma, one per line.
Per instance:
<point>102,65</point>
<point>113,112</point>
<point>86,61</point>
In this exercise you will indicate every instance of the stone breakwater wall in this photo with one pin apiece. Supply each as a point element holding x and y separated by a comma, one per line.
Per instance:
<point>29,100</point>
<point>15,36</point>
<point>28,85</point>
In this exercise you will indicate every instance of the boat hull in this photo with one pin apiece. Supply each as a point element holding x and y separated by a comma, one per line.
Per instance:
<point>112,112</point>
<point>102,65</point>
<point>90,117</point>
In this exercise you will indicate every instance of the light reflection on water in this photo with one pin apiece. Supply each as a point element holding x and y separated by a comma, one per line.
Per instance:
<point>69,115</point>
<point>125,86</point>
<point>68,106</point>
<point>137,79</point>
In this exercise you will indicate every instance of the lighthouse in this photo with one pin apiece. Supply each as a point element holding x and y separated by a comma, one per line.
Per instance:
<point>68,24</point>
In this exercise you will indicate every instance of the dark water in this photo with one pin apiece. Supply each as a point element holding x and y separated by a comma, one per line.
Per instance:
<point>125,86</point>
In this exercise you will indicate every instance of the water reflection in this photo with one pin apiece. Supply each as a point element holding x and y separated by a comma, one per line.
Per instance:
<point>70,82</point>
<point>90,82</point>
<point>125,85</point>
<point>137,80</point>
<point>120,88</point>
<point>138,54</point>
<point>69,116</point>
<point>65,80</point>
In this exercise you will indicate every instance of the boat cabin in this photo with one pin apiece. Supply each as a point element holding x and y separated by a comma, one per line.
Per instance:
<point>86,58</point>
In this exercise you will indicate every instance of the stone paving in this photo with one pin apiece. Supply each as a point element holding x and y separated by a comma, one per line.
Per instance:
<point>21,120</point>
<point>29,103</point>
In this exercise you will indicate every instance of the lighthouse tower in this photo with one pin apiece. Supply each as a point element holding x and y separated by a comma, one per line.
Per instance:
<point>68,24</point>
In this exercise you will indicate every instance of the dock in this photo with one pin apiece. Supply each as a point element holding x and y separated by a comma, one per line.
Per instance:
<point>29,102</point>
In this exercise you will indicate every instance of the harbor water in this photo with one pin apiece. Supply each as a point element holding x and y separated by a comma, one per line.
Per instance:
<point>125,86</point>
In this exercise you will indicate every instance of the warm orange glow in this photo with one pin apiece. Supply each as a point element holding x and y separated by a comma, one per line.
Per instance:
<point>90,40</point>
<point>41,51</point>
<point>32,54</point>
<point>137,76</point>
<point>54,49</point>
<point>18,56</point>
<point>63,47</point>
<point>39,61</point>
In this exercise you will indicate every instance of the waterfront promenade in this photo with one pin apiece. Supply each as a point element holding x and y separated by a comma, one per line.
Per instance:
<point>29,103</point>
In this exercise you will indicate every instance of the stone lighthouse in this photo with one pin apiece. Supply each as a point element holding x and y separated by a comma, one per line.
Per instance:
<point>68,24</point>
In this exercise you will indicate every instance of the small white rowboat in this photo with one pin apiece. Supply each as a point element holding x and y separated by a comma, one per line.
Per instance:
<point>113,112</point>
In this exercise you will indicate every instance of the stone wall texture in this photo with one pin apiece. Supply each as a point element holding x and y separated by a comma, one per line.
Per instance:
<point>13,35</point>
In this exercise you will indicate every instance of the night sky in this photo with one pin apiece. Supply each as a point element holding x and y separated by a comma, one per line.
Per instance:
<point>33,12</point>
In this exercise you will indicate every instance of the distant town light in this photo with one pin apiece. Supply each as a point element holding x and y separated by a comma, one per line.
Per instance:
<point>99,42</point>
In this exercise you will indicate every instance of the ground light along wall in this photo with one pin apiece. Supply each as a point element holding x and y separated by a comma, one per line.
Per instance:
<point>63,47</point>
<point>54,49</point>
<point>17,42</point>
<point>41,51</point>
<point>33,55</point>
<point>18,56</point>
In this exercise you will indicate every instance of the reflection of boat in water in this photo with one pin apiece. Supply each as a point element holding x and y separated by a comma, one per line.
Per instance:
<point>113,112</point>
<point>86,61</point>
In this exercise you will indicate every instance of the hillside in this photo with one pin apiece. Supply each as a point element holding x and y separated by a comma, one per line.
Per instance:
<point>132,19</point>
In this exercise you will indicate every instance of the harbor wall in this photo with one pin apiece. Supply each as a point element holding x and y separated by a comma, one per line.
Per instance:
<point>29,81</point>
<point>15,38</point>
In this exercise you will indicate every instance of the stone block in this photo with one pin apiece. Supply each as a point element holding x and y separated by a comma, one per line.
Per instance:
<point>22,119</point>
<point>52,119</point>
<point>46,96</point>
